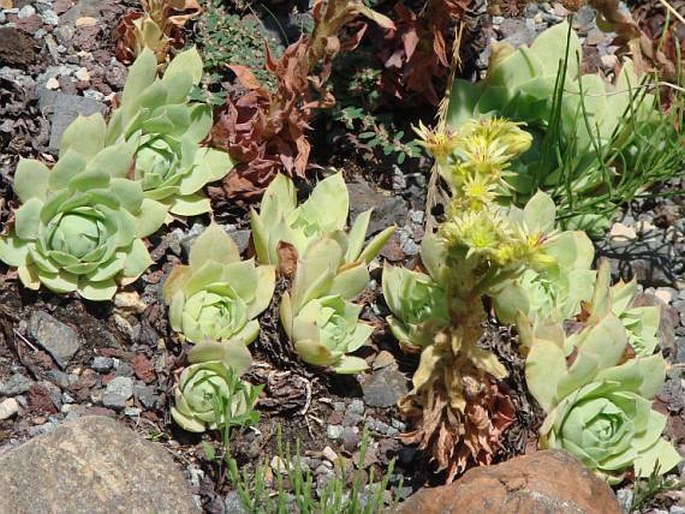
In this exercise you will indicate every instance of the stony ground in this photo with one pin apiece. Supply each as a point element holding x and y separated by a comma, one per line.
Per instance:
<point>62,358</point>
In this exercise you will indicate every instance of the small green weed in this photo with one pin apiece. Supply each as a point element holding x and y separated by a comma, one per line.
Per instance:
<point>295,489</point>
<point>230,39</point>
<point>645,491</point>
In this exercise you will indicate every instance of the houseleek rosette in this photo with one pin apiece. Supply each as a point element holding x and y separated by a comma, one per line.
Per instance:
<point>326,330</point>
<point>170,163</point>
<point>208,383</point>
<point>280,219</point>
<point>609,424</point>
<point>317,313</point>
<point>598,407</point>
<point>416,300</point>
<point>80,223</point>
<point>217,296</point>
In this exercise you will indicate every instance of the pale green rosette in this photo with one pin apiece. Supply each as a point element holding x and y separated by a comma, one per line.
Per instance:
<point>170,163</point>
<point>80,224</point>
<point>204,386</point>
<point>217,296</point>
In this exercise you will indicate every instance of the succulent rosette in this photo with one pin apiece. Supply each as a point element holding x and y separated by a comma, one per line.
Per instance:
<point>543,86</point>
<point>328,328</point>
<point>206,383</point>
<point>217,296</point>
<point>317,313</point>
<point>280,219</point>
<point>416,300</point>
<point>598,407</point>
<point>170,163</point>
<point>609,423</point>
<point>80,223</point>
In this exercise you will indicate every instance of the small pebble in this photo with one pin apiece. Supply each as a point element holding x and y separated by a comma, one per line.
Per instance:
<point>8,408</point>
<point>52,84</point>
<point>102,364</point>
<point>329,454</point>
<point>50,18</point>
<point>82,74</point>
<point>14,385</point>
<point>621,235</point>
<point>278,465</point>
<point>334,431</point>
<point>26,12</point>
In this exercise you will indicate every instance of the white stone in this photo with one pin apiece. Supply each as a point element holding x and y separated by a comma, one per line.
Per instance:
<point>8,408</point>
<point>609,60</point>
<point>329,454</point>
<point>52,84</point>
<point>621,235</point>
<point>664,295</point>
<point>82,74</point>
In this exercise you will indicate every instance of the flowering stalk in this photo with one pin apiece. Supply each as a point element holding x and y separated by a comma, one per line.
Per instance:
<point>458,409</point>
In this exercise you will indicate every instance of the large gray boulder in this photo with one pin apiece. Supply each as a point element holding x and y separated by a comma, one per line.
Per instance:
<point>92,465</point>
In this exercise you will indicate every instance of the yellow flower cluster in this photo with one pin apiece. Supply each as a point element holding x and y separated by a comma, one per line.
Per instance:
<point>474,160</point>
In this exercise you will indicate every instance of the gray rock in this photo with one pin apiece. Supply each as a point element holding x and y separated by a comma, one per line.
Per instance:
<point>387,210</point>
<point>92,465</point>
<point>14,385</point>
<point>26,12</point>
<point>145,395</point>
<point>240,237</point>
<point>385,387</point>
<point>379,426</point>
<point>118,390</point>
<point>233,504</point>
<point>61,378</point>
<point>334,431</point>
<point>350,439</point>
<point>102,364</point>
<point>356,406</point>
<point>90,8</point>
<point>50,18</point>
<point>65,109</point>
<point>59,340</point>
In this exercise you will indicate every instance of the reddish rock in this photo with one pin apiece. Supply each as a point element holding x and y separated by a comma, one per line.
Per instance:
<point>143,368</point>
<point>39,400</point>
<point>546,482</point>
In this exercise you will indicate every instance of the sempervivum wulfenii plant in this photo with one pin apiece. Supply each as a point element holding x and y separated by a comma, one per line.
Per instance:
<point>598,404</point>
<point>217,296</point>
<point>209,393</point>
<point>80,223</point>
<point>168,130</point>
<point>417,299</point>
<point>457,407</point>
<point>281,220</point>
<point>318,315</point>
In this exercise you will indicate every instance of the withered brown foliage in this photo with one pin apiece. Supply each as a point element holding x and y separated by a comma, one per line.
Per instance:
<point>453,438</point>
<point>159,27</point>
<point>266,131</point>
<point>420,48</point>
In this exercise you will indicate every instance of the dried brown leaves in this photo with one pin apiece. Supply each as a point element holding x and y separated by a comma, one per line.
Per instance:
<point>266,131</point>
<point>158,27</point>
<point>419,51</point>
<point>457,439</point>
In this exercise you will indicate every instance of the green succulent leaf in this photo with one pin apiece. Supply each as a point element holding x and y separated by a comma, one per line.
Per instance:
<point>31,180</point>
<point>327,328</point>
<point>205,384</point>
